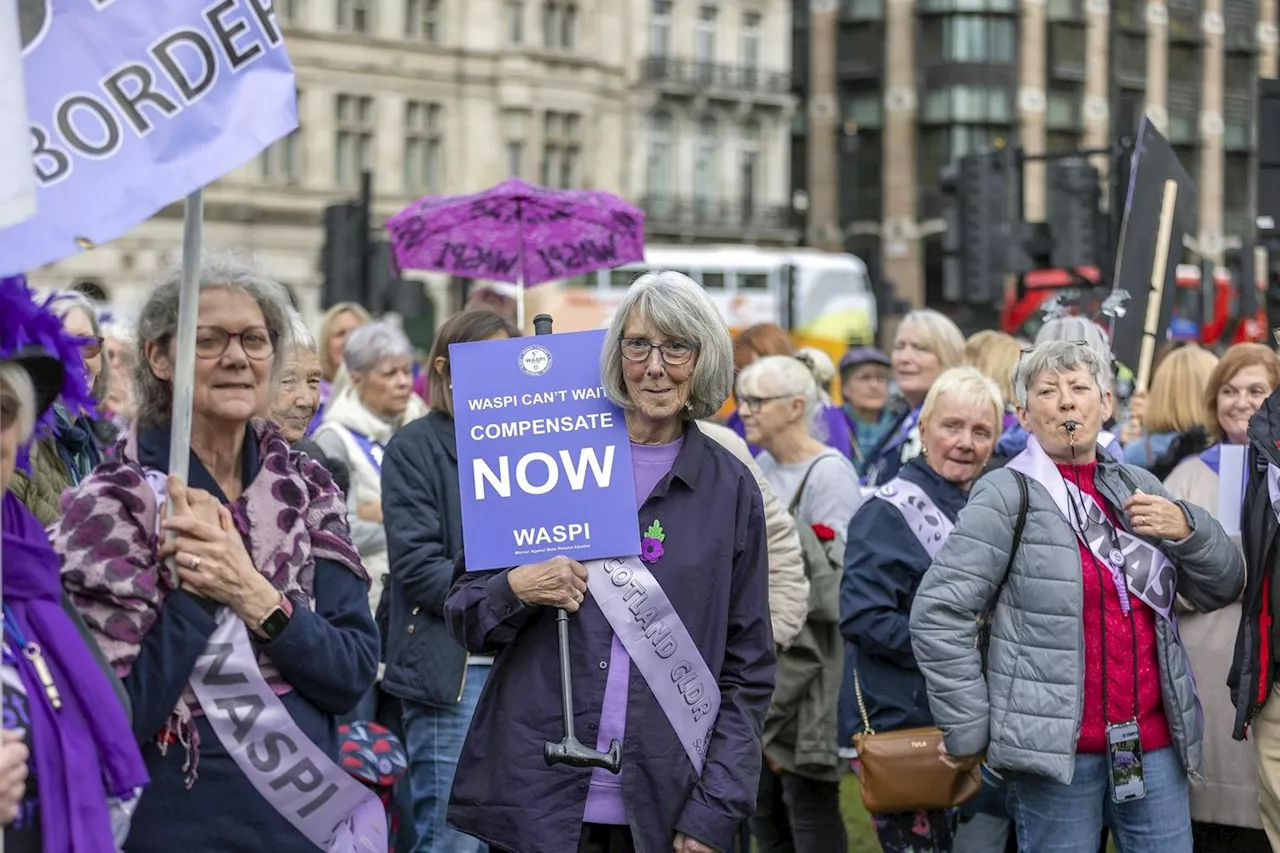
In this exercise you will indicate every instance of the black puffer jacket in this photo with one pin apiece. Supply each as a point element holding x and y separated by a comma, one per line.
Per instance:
<point>1189,443</point>
<point>1252,670</point>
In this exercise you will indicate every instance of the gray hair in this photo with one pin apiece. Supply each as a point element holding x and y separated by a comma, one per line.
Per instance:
<point>787,376</point>
<point>62,304</point>
<point>1080,330</point>
<point>680,309</point>
<point>19,383</point>
<point>301,333</point>
<point>158,323</point>
<point>373,342</point>
<point>1058,357</point>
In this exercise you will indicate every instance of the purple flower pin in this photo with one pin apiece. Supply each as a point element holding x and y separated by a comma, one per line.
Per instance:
<point>651,545</point>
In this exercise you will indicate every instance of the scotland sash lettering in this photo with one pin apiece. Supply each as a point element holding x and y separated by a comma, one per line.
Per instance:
<point>647,625</point>
<point>334,811</point>
<point>930,524</point>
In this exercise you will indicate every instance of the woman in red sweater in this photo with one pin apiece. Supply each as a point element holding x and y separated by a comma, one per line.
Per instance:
<point>1087,704</point>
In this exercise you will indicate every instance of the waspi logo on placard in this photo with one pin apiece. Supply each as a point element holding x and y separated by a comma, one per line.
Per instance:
<point>535,360</point>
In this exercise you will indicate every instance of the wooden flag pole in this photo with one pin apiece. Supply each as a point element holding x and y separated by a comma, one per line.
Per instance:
<point>185,347</point>
<point>1160,264</point>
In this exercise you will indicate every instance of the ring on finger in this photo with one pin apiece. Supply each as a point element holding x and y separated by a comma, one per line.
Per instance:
<point>195,562</point>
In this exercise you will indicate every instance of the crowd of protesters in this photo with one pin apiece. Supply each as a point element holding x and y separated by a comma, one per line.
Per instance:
<point>975,535</point>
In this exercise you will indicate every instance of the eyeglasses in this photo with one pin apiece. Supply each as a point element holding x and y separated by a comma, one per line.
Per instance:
<point>674,353</point>
<point>212,342</point>
<point>92,346</point>
<point>754,404</point>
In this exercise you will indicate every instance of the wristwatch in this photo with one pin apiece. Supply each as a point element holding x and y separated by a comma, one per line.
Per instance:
<point>277,620</point>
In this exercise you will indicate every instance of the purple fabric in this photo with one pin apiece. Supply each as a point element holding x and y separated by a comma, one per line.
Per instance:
<point>649,464</point>
<point>85,751</point>
<point>326,392</point>
<point>1009,421</point>
<point>518,232</point>
<point>1212,457</point>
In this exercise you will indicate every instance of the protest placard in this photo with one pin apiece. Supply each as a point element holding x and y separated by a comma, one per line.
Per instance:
<point>134,104</point>
<point>544,462</point>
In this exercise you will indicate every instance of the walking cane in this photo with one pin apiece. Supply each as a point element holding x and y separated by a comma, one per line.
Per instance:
<point>571,751</point>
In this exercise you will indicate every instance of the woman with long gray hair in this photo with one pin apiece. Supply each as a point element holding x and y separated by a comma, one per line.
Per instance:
<point>237,619</point>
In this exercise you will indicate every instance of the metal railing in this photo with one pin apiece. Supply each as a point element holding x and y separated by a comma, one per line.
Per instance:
<point>694,74</point>
<point>684,212</point>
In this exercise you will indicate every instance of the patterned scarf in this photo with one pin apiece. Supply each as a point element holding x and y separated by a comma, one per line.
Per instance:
<point>290,516</point>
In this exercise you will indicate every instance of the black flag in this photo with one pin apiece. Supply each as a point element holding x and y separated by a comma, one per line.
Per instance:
<point>1159,210</point>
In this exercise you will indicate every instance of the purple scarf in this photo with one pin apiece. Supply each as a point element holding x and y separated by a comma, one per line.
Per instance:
<point>85,751</point>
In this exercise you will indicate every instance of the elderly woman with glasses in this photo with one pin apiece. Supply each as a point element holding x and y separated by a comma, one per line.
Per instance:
<point>1087,703</point>
<point>237,618</point>
<point>691,746</point>
<point>66,457</point>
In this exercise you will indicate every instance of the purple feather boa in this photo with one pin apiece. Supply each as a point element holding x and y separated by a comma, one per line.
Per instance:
<point>30,324</point>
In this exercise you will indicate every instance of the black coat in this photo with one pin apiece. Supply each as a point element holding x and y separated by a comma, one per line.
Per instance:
<point>422,511</point>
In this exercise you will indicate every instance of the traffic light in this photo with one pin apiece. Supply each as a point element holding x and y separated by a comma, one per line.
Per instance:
<point>343,257</point>
<point>1075,199</point>
<point>984,233</point>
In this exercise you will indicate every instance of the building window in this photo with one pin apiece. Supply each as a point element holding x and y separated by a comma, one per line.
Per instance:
<point>515,130</point>
<point>862,10</point>
<point>704,39</point>
<point>1131,57</point>
<point>559,26</point>
<point>1238,73</point>
<point>1235,136</point>
<point>749,169</point>
<point>422,20</point>
<point>969,38</point>
<point>968,5</point>
<point>968,104</point>
<point>1067,50</point>
<point>1184,66</point>
<point>354,16</point>
<point>865,110</point>
<point>660,160</point>
<point>353,149</point>
<point>1235,184</point>
<point>751,41</point>
<point>705,187</point>
<point>515,22</point>
<point>660,28</point>
<point>289,11</point>
<point>861,47</point>
<point>1130,14</point>
<point>281,163</point>
<point>1062,120</point>
<point>422,146</point>
<point>561,149</point>
<point>1062,10</point>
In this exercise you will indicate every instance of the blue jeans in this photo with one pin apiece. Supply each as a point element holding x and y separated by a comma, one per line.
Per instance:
<point>1056,818</point>
<point>433,739</point>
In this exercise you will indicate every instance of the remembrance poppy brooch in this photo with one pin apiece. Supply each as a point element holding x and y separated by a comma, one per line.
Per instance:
<point>651,544</point>
<point>824,533</point>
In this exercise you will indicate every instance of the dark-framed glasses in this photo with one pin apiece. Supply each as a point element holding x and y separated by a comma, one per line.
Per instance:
<point>91,346</point>
<point>258,343</point>
<point>753,405</point>
<point>673,352</point>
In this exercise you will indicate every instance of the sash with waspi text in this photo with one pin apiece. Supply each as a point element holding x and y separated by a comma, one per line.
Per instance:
<point>649,628</point>
<point>930,524</point>
<point>334,811</point>
<point>371,449</point>
<point>1137,567</point>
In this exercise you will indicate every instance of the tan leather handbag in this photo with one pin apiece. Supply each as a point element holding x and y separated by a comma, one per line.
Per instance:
<point>903,771</point>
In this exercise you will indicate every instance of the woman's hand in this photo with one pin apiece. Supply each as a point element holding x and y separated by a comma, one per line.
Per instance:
<point>13,775</point>
<point>370,511</point>
<point>685,844</point>
<point>211,558</point>
<point>1138,406</point>
<point>959,763</point>
<point>558,582</point>
<point>1152,515</point>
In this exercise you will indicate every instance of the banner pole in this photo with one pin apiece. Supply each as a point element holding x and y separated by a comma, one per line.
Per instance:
<point>185,346</point>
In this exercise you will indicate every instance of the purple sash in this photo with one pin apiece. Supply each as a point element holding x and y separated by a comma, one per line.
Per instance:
<point>649,628</point>
<point>334,811</point>
<point>1136,566</point>
<point>1212,458</point>
<point>371,449</point>
<point>930,524</point>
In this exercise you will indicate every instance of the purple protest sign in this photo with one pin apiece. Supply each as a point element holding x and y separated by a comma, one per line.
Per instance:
<point>133,104</point>
<point>544,462</point>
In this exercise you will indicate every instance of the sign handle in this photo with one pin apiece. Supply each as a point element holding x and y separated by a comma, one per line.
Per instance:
<point>185,349</point>
<point>1160,263</point>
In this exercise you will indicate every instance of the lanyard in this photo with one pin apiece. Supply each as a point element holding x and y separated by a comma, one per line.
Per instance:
<point>32,652</point>
<point>1102,611</point>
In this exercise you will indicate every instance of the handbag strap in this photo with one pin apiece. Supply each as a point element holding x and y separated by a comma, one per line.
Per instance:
<point>795,501</point>
<point>862,706</point>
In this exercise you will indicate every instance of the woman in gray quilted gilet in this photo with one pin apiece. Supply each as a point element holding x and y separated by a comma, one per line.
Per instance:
<point>1087,705</point>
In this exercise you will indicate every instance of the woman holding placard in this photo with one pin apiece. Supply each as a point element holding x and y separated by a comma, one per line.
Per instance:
<point>1224,806</point>
<point>238,620</point>
<point>689,725</point>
